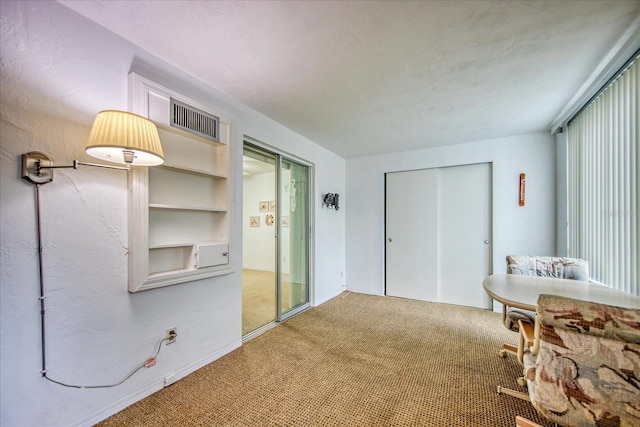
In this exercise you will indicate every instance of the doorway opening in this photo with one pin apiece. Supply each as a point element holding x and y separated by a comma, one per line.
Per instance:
<point>275,270</point>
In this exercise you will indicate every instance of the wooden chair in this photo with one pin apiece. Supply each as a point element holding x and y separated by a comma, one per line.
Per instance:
<point>526,334</point>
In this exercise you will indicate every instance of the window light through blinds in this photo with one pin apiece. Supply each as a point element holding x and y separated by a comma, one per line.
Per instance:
<point>603,159</point>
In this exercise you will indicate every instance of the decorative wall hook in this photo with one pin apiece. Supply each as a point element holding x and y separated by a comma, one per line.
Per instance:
<point>331,200</point>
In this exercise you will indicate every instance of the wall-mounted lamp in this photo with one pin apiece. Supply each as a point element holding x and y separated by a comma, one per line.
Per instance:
<point>331,200</point>
<point>116,136</point>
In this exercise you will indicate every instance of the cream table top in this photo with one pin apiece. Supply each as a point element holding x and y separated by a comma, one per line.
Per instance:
<point>523,291</point>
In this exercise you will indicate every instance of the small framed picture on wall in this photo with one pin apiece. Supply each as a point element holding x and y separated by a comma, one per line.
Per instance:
<point>254,221</point>
<point>263,207</point>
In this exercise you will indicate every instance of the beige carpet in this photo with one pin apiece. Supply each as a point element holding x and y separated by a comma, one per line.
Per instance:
<point>258,299</point>
<point>357,360</point>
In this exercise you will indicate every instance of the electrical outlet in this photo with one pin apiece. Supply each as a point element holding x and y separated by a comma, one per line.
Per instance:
<point>172,335</point>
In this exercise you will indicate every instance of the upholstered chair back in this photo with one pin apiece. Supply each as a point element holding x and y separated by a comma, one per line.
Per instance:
<point>560,267</point>
<point>545,266</point>
<point>587,368</point>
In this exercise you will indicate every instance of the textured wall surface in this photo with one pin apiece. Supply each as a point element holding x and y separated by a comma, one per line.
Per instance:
<point>58,71</point>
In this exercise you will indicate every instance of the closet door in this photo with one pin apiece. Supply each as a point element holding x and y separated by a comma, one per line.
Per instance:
<point>411,229</point>
<point>464,225</point>
<point>438,227</point>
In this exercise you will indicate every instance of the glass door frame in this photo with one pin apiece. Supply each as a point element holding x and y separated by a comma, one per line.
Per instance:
<point>280,314</point>
<point>279,157</point>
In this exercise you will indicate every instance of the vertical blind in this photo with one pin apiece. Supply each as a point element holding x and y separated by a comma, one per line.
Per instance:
<point>603,187</point>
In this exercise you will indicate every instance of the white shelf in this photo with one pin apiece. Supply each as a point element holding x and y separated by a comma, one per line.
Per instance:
<point>184,244</point>
<point>185,208</point>
<point>180,132</point>
<point>170,273</point>
<point>171,245</point>
<point>173,258</point>
<point>193,171</point>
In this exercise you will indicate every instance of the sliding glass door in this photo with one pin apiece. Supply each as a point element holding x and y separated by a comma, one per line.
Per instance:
<point>275,280</point>
<point>258,237</point>
<point>293,242</point>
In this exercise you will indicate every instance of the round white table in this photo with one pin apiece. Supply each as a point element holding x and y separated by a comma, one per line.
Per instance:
<point>523,291</point>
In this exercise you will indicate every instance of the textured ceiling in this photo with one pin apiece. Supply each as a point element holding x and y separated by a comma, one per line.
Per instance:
<point>363,78</point>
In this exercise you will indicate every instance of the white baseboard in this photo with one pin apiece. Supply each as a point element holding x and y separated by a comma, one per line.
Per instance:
<point>149,389</point>
<point>364,291</point>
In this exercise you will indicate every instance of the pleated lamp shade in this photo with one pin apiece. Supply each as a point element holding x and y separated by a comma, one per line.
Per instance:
<point>123,137</point>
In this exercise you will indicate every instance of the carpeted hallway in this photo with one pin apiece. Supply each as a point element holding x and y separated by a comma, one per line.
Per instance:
<point>357,360</point>
<point>258,299</point>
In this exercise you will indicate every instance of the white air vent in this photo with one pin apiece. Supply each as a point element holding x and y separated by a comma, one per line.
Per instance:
<point>194,121</point>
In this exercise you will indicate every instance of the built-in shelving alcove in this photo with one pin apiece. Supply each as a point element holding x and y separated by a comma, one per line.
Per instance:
<point>179,212</point>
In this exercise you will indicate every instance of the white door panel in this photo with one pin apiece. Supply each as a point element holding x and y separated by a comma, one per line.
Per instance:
<point>464,227</point>
<point>411,234</point>
<point>438,231</point>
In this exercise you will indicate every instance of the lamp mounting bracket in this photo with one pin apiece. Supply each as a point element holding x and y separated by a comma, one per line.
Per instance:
<point>36,167</point>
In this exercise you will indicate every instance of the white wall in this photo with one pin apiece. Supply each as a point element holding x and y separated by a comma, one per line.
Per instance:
<point>516,230</point>
<point>58,71</point>
<point>258,242</point>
